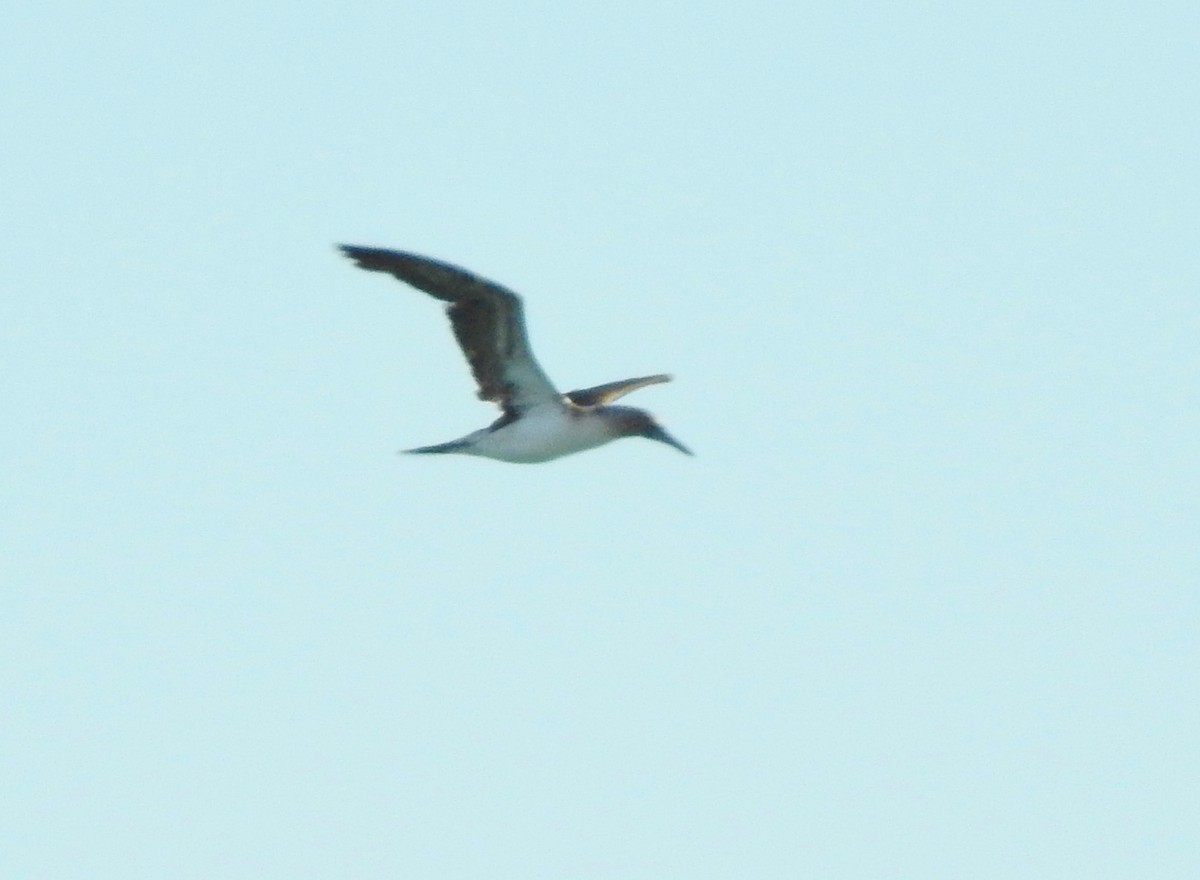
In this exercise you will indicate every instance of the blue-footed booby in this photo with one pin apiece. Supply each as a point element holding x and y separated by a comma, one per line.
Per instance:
<point>539,423</point>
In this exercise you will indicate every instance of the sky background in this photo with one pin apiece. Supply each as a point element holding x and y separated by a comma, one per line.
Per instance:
<point>923,606</point>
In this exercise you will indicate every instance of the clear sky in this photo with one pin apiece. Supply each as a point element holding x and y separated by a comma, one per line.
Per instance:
<point>923,606</point>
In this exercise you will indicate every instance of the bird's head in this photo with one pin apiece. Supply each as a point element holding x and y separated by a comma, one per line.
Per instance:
<point>639,423</point>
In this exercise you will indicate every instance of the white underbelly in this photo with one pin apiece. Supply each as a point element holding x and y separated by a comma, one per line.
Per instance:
<point>541,435</point>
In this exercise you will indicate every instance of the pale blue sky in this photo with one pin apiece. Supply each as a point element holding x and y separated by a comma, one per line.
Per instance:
<point>923,606</point>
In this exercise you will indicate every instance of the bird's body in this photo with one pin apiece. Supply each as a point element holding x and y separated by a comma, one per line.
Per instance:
<point>542,433</point>
<point>539,422</point>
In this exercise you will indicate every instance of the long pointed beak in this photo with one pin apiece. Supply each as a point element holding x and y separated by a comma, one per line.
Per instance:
<point>657,433</point>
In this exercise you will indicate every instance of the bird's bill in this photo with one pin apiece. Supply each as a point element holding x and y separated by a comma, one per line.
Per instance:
<point>657,433</point>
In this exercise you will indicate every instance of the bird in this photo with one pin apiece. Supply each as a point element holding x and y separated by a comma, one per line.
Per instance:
<point>538,422</point>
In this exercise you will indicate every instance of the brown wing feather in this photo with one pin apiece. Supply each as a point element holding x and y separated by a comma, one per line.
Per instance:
<point>607,393</point>
<point>487,319</point>
<point>475,323</point>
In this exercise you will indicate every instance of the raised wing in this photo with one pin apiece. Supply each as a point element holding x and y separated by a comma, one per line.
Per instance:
<point>604,394</point>
<point>487,319</point>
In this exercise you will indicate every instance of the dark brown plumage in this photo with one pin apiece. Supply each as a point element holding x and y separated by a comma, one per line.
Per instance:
<point>488,322</point>
<point>539,422</point>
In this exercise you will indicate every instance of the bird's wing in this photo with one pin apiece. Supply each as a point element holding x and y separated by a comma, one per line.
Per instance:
<point>604,394</point>
<point>488,322</point>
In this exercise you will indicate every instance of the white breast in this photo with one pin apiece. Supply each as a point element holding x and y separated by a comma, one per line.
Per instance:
<point>542,434</point>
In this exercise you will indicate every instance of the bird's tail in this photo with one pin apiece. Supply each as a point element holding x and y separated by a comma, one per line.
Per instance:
<point>452,446</point>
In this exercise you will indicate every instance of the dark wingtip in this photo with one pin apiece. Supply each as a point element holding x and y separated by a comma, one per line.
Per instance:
<point>376,259</point>
<point>363,257</point>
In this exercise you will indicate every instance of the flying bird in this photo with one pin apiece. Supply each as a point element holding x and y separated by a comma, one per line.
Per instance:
<point>539,423</point>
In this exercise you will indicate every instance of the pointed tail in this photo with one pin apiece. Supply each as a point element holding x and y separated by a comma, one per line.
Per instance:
<point>452,446</point>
